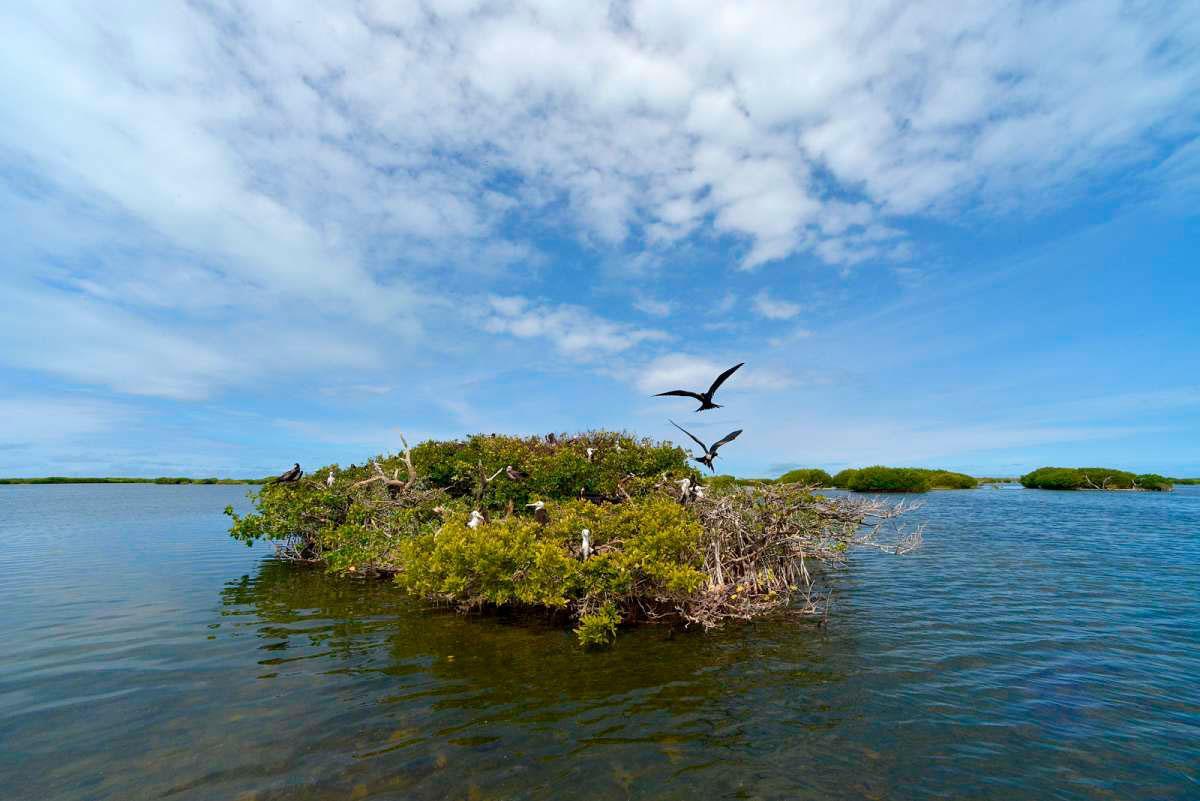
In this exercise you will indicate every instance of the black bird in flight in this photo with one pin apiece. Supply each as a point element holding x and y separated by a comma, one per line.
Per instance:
<point>709,453</point>
<point>291,476</point>
<point>705,398</point>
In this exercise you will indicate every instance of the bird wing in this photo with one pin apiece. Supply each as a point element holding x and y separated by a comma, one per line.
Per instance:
<point>683,393</point>
<point>730,437</point>
<point>721,378</point>
<point>684,430</point>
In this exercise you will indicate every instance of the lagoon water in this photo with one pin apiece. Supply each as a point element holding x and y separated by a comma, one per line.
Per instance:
<point>1040,645</point>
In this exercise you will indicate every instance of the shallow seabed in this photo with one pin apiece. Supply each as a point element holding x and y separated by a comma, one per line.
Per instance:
<point>1040,645</point>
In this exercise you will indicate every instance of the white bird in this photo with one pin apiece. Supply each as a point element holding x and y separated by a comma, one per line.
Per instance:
<point>477,519</point>
<point>539,512</point>
<point>329,479</point>
<point>590,453</point>
<point>586,546</point>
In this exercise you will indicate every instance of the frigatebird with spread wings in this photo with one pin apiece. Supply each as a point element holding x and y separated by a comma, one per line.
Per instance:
<point>290,477</point>
<point>705,398</point>
<point>710,453</point>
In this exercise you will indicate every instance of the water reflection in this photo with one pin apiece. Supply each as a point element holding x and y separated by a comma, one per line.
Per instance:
<point>432,702</point>
<point>1040,645</point>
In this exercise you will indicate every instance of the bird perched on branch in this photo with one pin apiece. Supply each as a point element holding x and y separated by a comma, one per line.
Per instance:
<point>477,519</point>
<point>597,497</point>
<point>329,479</point>
<point>710,453</point>
<point>689,490</point>
<point>539,512</point>
<point>705,398</point>
<point>591,452</point>
<point>515,474</point>
<point>585,546</point>
<point>291,476</point>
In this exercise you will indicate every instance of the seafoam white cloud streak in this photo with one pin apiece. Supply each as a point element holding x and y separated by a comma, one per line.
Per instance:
<point>686,371</point>
<point>773,308</point>
<point>186,164</point>
<point>572,330</point>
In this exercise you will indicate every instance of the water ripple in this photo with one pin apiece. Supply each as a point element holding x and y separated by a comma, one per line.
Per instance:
<point>1040,645</point>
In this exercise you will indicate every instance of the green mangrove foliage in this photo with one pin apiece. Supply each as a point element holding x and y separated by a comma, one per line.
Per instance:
<point>810,477</point>
<point>1094,478</point>
<point>629,531</point>
<point>900,479</point>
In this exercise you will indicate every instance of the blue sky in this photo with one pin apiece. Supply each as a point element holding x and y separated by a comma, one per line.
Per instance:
<point>945,234</point>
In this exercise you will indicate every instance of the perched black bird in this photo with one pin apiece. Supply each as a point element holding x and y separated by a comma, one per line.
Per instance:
<point>597,497</point>
<point>291,476</point>
<point>705,398</point>
<point>710,453</point>
<point>552,438</point>
<point>515,474</point>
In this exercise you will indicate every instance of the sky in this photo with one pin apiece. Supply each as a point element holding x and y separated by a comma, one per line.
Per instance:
<point>953,234</point>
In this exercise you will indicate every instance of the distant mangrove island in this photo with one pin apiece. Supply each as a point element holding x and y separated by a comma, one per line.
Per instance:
<point>876,478</point>
<point>1096,478</point>
<point>879,478</point>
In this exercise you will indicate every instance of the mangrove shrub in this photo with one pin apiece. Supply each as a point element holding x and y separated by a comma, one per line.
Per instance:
<point>450,523</point>
<point>1094,478</point>
<point>809,477</point>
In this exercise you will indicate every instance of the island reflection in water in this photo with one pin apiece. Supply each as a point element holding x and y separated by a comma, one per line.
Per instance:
<point>1039,645</point>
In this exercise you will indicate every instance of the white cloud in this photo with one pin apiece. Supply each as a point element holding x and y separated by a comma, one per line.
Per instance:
<point>219,192</point>
<point>773,309</point>
<point>41,420</point>
<point>684,371</point>
<point>655,308</point>
<point>271,138</point>
<point>573,330</point>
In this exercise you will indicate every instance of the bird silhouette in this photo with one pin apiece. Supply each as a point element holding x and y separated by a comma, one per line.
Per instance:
<point>710,452</point>
<point>291,476</point>
<point>705,398</point>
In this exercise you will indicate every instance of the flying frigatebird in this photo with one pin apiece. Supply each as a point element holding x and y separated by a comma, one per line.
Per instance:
<point>705,398</point>
<point>291,476</point>
<point>710,453</point>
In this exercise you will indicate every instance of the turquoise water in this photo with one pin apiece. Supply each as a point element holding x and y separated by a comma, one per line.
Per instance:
<point>1040,645</point>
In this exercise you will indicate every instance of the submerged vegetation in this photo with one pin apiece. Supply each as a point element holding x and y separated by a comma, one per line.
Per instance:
<point>124,480</point>
<point>1094,478</point>
<point>621,530</point>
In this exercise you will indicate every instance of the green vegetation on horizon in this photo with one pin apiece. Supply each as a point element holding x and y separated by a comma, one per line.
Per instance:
<point>1094,478</point>
<point>878,478</point>
<point>126,480</point>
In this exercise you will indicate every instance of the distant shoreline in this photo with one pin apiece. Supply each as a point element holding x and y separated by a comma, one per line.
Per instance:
<point>124,480</point>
